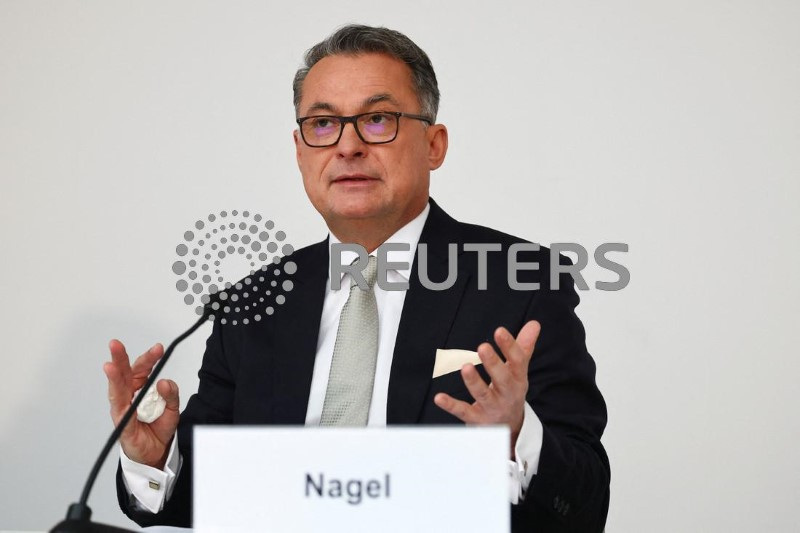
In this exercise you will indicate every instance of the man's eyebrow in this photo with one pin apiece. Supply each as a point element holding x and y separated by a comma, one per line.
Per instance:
<point>368,102</point>
<point>321,106</point>
<point>380,98</point>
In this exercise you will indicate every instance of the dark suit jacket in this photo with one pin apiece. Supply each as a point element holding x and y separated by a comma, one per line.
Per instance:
<point>261,373</point>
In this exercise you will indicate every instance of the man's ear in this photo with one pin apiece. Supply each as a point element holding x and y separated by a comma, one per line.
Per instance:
<point>297,141</point>
<point>437,145</point>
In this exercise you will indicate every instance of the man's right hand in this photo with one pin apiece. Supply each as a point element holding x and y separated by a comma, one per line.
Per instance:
<point>143,443</point>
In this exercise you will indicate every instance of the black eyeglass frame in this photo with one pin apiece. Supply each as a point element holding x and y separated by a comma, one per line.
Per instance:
<point>352,120</point>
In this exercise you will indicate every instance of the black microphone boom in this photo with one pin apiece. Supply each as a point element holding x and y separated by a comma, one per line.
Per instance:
<point>79,514</point>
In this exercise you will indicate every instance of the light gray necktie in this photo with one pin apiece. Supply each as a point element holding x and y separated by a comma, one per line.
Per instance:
<point>349,392</point>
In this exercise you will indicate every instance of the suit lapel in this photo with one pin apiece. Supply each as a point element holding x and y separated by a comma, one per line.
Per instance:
<point>424,323</point>
<point>295,337</point>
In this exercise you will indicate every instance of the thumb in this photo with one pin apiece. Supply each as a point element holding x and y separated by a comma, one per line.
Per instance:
<point>168,390</point>
<point>164,426</point>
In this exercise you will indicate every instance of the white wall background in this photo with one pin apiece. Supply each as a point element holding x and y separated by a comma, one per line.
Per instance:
<point>673,126</point>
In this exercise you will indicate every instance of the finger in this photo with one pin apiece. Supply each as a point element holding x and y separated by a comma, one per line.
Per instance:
<point>119,389</point>
<point>119,356</point>
<point>518,354</point>
<point>498,373</point>
<point>119,396</point>
<point>515,357</point>
<point>144,363</point>
<point>116,388</point>
<point>528,336</point>
<point>475,385</point>
<point>457,408</point>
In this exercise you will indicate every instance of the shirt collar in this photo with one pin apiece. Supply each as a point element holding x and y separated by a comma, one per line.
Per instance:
<point>408,234</point>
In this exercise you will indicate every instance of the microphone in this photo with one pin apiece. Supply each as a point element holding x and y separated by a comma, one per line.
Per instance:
<point>79,514</point>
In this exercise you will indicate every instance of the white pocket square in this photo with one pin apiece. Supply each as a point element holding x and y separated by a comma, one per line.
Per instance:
<point>451,360</point>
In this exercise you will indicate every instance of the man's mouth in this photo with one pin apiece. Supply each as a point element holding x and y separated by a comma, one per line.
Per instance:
<point>352,178</point>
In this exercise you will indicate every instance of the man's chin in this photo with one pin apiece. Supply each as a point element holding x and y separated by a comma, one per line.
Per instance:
<point>357,213</point>
<point>355,206</point>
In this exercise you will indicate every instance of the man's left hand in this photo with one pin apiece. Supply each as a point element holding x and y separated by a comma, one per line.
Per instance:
<point>503,400</point>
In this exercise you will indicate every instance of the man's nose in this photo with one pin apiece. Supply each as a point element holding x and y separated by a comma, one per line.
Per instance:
<point>350,144</point>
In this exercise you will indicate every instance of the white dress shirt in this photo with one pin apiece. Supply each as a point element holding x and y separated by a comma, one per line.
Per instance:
<point>151,487</point>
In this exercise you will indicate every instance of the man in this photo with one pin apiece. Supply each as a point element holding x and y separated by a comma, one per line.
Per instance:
<point>366,142</point>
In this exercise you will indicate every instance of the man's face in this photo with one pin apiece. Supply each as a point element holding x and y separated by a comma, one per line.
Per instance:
<point>351,183</point>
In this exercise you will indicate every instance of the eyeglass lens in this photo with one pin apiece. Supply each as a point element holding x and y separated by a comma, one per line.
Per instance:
<point>373,127</point>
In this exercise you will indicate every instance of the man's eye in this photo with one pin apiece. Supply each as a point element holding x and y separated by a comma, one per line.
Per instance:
<point>378,118</point>
<point>322,122</point>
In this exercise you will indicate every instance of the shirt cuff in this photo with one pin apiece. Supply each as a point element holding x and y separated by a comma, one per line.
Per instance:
<point>150,486</point>
<point>527,452</point>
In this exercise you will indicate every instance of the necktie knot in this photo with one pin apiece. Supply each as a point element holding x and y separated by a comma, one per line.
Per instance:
<point>370,273</point>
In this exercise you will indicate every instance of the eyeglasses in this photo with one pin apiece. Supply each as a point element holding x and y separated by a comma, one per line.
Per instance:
<point>375,127</point>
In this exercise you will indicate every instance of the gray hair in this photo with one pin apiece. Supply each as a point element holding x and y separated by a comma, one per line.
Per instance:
<point>355,39</point>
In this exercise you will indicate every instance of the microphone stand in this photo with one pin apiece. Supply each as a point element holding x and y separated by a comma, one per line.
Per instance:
<point>79,514</point>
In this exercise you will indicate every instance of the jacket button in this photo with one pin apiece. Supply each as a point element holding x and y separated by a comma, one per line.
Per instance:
<point>566,509</point>
<point>556,501</point>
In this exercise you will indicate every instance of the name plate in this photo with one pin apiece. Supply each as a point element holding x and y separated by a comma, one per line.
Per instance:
<point>405,479</point>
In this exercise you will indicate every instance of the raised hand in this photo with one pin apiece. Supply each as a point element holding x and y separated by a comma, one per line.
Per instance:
<point>144,443</point>
<point>503,400</point>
